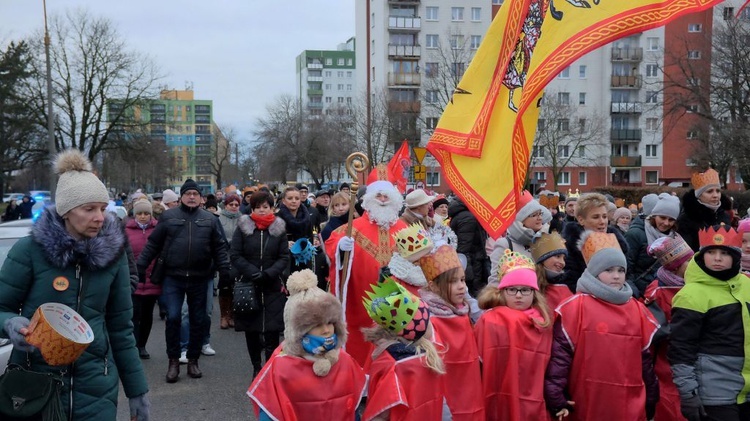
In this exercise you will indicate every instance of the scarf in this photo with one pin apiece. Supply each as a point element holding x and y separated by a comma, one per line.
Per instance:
<point>653,234</point>
<point>553,276</point>
<point>262,222</point>
<point>623,227</point>
<point>230,214</point>
<point>590,285</point>
<point>745,262</point>
<point>441,307</point>
<point>520,234</point>
<point>712,207</point>
<point>668,278</point>
<point>534,315</point>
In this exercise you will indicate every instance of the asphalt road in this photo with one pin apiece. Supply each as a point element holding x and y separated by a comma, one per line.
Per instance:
<point>218,395</point>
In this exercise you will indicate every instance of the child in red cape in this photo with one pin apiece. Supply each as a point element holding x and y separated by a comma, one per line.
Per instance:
<point>548,252</point>
<point>514,337</point>
<point>446,296</point>
<point>310,376</point>
<point>405,369</point>
<point>601,367</point>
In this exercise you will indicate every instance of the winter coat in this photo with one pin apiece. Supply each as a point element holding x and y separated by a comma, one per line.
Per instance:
<point>298,226</point>
<point>318,216</point>
<point>138,238</point>
<point>98,288</point>
<point>265,251</point>
<point>708,343</point>
<point>26,207</point>
<point>641,267</point>
<point>574,263</point>
<point>12,213</point>
<point>191,243</point>
<point>333,223</point>
<point>471,241</point>
<point>695,217</point>
<point>229,223</point>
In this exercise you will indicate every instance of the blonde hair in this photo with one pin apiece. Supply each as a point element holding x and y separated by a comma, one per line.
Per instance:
<point>383,338</point>
<point>444,280</point>
<point>541,277</point>
<point>589,202</point>
<point>491,296</point>
<point>337,198</point>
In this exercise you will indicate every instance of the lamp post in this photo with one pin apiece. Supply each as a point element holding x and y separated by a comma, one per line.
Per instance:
<point>52,149</point>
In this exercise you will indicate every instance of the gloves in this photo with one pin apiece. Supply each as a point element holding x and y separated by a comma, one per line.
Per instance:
<point>692,408</point>
<point>13,327</point>
<point>256,277</point>
<point>141,275</point>
<point>140,407</point>
<point>346,244</point>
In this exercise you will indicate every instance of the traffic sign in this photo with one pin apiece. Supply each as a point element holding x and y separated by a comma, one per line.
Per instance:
<point>420,153</point>
<point>420,172</point>
<point>420,185</point>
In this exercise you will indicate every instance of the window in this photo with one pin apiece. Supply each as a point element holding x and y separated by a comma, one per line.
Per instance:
<point>694,54</point>
<point>328,86</point>
<point>458,69</point>
<point>373,74</point>
<point>582,71</point>
<point>563,151</point>
<point>476,14</point>
<point>650,151</point>
<point>652,177</point>
<point>563,179</point>
<point>497,1</point>
<point>328,100</point>
<point>695,27</point>
<point>431,123</point>
<point>582,98</point>
<point>340,86</point>
<point>349,100</point>
<point>652,70</point>
<point>340,73</point>
<point>652,44</point>
<point>540,126</point>
<point>581,125</point>
<point>582,178</point>
<point>537,152</point>
<point>328,73</point>
<point>581,151</point>
<point>432,178</point>
<point>563,98</point>
<point>457,41</point>
<point>540,175</point>
<point>565,74</point>
<point>349,74</point>
<point>432,41</point>
<point>340,61</point>
<point>652,124</point>
<point>431,96</point>
<point>457,13</point>
<point>651,97</point>
<point>350,62</point>
<point>372,49</point>
<point>340,100</point>
<point>349,87</point>
<point>728,13</point>
<point>475,41</point>
<point>431,69</point>
<point>692,108</point>
<point>432,13</point>
<point>329,61</point>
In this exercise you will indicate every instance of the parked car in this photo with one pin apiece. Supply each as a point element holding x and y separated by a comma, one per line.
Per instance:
<point>10,232</point>
<point>10,196</point>
<point>39,195</point>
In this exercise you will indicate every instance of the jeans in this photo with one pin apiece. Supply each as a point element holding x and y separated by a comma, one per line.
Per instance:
<point>728,412</point>
<point>185,326</point>
<point>175,291</point>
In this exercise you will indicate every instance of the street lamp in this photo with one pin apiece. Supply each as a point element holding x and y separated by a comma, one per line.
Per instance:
<point>52,150</point>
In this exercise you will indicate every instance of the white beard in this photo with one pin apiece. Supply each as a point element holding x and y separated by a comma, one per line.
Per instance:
<point>382,214</point>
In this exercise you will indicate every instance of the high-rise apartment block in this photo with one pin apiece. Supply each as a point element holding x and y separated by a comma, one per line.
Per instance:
<point>326,81</point>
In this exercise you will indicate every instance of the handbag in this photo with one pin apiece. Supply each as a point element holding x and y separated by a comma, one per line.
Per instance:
<point>157,273</point>
<point>245,300</point>
<point>26,394</point>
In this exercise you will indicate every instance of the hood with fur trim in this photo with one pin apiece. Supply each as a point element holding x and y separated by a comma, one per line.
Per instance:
<point>62,250</point>
<point>693,208</point>
<point>247,226</point>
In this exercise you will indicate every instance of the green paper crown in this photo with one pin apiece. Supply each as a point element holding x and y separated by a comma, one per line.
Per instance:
<point>391,305</point>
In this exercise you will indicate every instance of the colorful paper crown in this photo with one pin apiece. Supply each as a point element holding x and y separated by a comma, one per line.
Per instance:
<point>394,308</point>
<point>701,179</point>
<point>596,241</point>
<point>513,260</point>
<point>549,201</point>
<point>620,203</point>
<point>443,259</point>
<point>720,235</point>
<point>546,246</point>
<point>413,242</point>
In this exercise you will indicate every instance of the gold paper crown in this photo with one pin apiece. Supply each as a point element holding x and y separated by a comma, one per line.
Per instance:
<point>596,241</point>
<point>701,179</point>
<point>413,242</point>
<point>544,246</point>
<point>549,200</point>
<point>513,260</point>
<point>720,235</point>
<point>442,260</point>
<point>620,203</point>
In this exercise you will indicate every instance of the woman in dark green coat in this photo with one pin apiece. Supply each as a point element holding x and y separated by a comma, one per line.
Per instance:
<point>75,256</point>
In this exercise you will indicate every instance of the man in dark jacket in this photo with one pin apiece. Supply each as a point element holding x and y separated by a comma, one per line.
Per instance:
<point>26,206</point>
<point>189,242</point>
<point>471,241</point>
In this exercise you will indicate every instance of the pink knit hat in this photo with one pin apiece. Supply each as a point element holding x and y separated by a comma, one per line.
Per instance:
<point>672,252</point>
<point>744,226</point>
<point>517,270</point>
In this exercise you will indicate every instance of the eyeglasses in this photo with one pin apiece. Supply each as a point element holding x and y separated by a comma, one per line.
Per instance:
<point>513,291</point>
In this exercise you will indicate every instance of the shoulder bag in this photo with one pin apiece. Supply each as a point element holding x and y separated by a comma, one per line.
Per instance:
<point>157,272</point>
<point>245,300</point>
<point>26,394</point>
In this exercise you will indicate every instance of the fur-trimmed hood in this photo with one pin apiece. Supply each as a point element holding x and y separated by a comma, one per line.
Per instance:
<point>406,271</point>
<point>247,226</point>
<point>62,250</point>
<point>693,208</point>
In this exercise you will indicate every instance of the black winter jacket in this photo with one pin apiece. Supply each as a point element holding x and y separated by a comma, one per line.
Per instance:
<point>265,251</point>
<point>695,217</point>
<point>298,226</point>
<point>191,241</point>
<point>471,241</point>
<point>641,267</point>
<point>574,263</point>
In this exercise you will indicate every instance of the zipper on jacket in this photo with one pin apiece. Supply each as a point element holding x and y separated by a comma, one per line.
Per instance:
<point>72,365</point>
<point>262,301</point>
<point>190,245</point>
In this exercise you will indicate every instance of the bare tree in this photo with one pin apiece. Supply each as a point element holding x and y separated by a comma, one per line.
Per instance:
<point>221,152</point>
<point>91,64</point>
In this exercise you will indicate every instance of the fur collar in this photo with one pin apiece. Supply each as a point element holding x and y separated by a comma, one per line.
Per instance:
<point>62,250</point>
<point>406,271</point>
<point>247,226</point>
<point>698,212</point>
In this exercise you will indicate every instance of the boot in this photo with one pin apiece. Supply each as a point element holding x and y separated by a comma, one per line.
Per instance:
<point>173,373</point>
<point>225,305</point>
<point>193,370</point>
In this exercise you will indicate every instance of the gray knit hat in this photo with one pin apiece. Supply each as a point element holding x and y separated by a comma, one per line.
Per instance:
<point>649,201</point>
<point>601,251</point>
<point>142,206</point>
<point>666,205</point>
<point>77,185</point>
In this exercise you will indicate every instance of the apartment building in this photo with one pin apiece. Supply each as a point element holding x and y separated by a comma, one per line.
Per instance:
<point>326,81</point>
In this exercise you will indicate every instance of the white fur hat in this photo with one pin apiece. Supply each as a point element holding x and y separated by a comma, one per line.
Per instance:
<point>77,185</point>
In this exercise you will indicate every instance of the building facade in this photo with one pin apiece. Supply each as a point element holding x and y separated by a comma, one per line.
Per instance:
<point>326,81</point>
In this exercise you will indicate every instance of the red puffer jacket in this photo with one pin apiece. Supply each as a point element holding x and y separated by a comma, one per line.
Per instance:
<point>138,237</point>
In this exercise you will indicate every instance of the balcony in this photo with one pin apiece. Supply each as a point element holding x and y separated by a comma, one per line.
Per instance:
<point>626,134</point>
<point>633,81</point>
<point>315,105</point>
<point>411,51</point>
<point>404,107</point>
<point>403,1</point>
<point>314,92</point>
<point>314,78</point>
<point>626,107</point>
<point>402,23</point>
<point>634,54</point>
<point>626,184</point>
<point>315,65</point>
<point>625,161</point>
<point>404,79</point>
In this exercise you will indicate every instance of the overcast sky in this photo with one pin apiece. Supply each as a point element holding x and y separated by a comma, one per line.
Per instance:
<point>238,53</point>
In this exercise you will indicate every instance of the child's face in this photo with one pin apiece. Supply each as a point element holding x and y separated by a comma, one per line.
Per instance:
<point>717,259</point>
<point>457,290</point>
<point>613,277</point>
<point>746,243</point>
<point>325,330</point>
<point>518,297</point>
<point>340,208</point>
<point>555,263</point>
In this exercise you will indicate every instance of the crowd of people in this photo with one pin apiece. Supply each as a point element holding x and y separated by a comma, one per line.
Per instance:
<point>403,308</point>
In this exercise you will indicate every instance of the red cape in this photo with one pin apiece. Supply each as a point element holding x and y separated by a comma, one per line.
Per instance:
<point>373,248</point>
<point>556,295</point>
<point>668,407</point>
<point>407,388</point>
<point>514,356</point>
<point>287,389</point>
<point>463,381</point>
<point>608,341</point>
